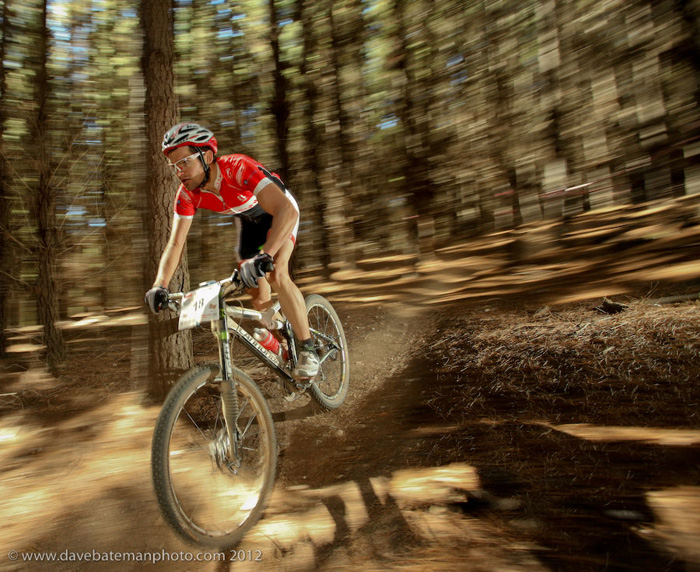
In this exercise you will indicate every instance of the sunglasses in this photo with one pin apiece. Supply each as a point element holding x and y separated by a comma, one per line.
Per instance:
<point>184,163</point>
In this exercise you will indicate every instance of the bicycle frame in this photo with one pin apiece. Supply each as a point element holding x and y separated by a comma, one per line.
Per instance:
<point>228,324</point>
<point>271,360</point>
<point>263,354</point>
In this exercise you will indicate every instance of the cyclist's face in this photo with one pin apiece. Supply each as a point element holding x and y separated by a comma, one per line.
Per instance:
<point>187,167</point>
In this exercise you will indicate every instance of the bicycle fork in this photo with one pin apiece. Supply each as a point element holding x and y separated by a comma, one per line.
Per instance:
<point>229,397</point>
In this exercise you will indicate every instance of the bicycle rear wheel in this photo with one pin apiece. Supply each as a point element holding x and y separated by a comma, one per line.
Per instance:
<point>206,495</point>
<point>330,386</point>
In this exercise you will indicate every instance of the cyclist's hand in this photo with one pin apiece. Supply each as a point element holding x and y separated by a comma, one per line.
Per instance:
<point>157,299</point>
<point>254,268</point>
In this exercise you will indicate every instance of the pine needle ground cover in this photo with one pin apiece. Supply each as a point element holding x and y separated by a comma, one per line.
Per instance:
<point>582,427</point>
<point>576,365</point>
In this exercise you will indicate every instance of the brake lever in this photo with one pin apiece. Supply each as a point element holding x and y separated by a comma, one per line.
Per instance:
<point>235,284</point>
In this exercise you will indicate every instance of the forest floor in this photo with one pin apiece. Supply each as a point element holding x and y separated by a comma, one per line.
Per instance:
<point>500,417</point>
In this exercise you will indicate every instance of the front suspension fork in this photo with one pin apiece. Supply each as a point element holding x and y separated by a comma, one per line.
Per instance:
<point>229,396</point>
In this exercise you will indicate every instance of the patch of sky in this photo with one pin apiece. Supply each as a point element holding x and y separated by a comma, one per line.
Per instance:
<point>388,121</point>
<point>75,211</point>
<point>369,6</point>
<point>454,60</point>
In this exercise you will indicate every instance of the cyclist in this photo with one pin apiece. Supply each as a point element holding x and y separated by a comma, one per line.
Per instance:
<point>240,186</point>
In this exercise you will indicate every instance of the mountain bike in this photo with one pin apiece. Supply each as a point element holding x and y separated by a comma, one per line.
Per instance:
<point>214,450</point>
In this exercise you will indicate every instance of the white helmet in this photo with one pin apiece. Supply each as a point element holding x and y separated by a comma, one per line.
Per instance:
<point>189,134</point>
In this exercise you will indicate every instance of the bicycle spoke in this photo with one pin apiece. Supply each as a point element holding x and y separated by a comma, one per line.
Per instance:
<point>194,423</point>
<point>242,434</point>
<point>330,385</point>
<point>209,495</point>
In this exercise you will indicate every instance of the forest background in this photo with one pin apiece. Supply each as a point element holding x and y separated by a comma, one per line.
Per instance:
<point>401,126</point>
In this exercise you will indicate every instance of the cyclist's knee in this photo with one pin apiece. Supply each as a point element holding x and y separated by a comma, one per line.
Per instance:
<point>279,278</point>
<point>257,303</point>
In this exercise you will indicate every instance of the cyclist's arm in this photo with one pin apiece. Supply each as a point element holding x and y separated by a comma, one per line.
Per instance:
<point>173,251</point>
<point>284,217</point>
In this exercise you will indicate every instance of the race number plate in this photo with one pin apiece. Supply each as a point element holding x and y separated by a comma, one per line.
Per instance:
<point>198,306</point>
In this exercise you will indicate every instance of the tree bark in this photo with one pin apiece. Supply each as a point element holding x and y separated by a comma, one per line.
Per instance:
<point>45,209</point>
<point>312,159</point>
<point>170,353</point>
<point>280,104</point>
<point>5,206</point>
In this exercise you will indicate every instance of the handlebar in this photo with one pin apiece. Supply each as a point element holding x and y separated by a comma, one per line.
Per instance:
<point>267,266</point>
<point>231,285</point>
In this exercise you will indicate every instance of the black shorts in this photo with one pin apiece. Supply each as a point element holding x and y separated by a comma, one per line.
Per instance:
<point>253,235</point>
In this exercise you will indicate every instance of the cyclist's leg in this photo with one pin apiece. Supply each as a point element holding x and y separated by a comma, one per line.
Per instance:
<point>261,297</point>
<point>290,297</point>
<point>251,238</point>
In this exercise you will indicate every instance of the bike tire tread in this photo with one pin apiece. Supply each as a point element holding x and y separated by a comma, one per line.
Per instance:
<point>160,454</point>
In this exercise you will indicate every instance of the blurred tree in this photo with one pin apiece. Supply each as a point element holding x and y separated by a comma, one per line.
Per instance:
<point>172,353</point>
<point>279,107</point>
<point>311,160</point>
<point>111,110</point>
<point>415,60</point>
<point>48,242</point>
<point>333,205</point>
<point>5,204</point>
<point>345,19</point>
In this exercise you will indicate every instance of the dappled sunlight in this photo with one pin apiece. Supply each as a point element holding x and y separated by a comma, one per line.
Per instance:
<point>677,526</point>
<point>50,473</point>
<point>441,485</point>
<point>93,468</point>
<point>590,292</point>
<point>416,500</point>
<point>651,435</point>
<point>55,474</point>
<point>676,272</point>
<point>501,489</point>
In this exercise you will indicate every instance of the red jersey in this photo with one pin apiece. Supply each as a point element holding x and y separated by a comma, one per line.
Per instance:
<point>242,178</point>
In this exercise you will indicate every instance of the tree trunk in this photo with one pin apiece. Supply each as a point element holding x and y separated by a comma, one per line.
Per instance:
<point>45,210</point>
<point>312,160</point>
<point>170,353</point>
<point>344,151</point>
<point>5,250</point>
<point>280,104</point>
<point>414,114</point>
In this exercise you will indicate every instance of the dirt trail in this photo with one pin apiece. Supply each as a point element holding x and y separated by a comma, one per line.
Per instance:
<point>81,485</point>
<point>384,483</point>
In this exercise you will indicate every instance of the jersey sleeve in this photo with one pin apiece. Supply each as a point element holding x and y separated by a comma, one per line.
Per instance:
<point>252,175</point>
<point>183,206</point>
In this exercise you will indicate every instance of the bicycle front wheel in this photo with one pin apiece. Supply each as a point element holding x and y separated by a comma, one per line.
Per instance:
<point>330,386</point>
<point>208,494</point>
